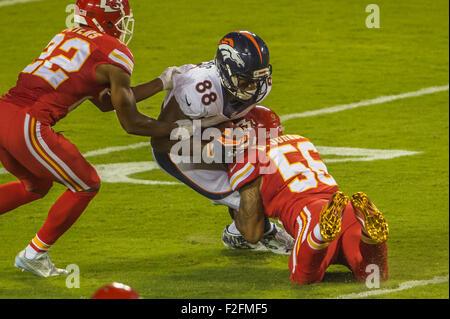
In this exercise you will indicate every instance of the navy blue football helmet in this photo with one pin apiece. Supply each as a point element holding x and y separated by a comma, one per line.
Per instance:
<point>242,60</point>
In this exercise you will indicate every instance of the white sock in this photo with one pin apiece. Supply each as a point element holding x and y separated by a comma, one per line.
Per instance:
<point>30,252</point>
<point>232,229</point>
<point>317,233</point>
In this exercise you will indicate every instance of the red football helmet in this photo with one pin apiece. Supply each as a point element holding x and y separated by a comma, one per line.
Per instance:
<point>113,17</point>
<point>263,117</point>
<point>116,291</point>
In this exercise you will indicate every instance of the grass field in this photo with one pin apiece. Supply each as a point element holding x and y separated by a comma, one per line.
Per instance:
<point>164,239</point>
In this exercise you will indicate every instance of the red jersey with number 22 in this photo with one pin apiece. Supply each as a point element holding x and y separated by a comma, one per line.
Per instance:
<point>293,176</point>
<point>63,76</point>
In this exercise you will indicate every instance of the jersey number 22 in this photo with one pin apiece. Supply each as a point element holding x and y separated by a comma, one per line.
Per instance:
<point>44,65</point>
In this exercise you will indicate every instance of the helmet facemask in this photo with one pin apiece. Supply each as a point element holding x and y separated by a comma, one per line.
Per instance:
<point>126,27</point>
<point>243,87</point>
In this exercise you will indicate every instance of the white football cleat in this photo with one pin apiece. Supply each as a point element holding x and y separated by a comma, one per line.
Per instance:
<point>278,241</point>
<point>40,266</point>
<point>237,241</point>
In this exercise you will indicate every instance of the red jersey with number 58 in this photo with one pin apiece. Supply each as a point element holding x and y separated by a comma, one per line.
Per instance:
<point>63,76</point>
<point>293,176</point>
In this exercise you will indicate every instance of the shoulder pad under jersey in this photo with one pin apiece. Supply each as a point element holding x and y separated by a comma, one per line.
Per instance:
<point>198,90</point>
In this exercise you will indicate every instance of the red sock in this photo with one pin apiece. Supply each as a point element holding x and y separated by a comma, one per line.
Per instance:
<point>64,212</point>
<point>13,195</point>
<point>375,254</point>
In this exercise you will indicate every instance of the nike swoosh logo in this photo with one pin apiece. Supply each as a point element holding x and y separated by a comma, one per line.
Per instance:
<point>187,102</point>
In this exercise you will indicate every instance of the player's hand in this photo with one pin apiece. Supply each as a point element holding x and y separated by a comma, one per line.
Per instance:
<point>166,77</point>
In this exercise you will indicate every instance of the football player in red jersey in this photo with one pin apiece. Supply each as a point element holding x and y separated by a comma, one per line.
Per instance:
<point>81,63</point>
<point>284,177</point>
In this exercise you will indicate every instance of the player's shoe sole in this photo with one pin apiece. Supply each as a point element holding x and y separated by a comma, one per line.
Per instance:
<point>371,219</point>
<point>331,217</point>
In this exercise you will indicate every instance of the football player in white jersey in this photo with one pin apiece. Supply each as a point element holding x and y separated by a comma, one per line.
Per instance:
<point>216,92</point>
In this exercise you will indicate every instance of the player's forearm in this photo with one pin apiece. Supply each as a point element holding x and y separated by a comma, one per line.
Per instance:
<point>250,220</point>
<point>146,90</point>
<point>102,106</point>
<point>252,230</point>
<point>134,122</point>
<point>146,126</point>
<point>250,217</point>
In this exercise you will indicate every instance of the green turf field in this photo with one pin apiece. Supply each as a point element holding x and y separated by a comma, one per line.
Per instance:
<point>163,239</point>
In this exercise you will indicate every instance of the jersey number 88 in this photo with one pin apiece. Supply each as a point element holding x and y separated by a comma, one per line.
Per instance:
<point>202,87</point>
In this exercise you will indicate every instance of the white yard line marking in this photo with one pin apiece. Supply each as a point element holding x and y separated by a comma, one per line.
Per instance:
<point>378,100</point>
<point>120,173</point>
<point>108,150</point>
<point>332,109</point>
<point>13,2</point>
<point>403,286</point>
<point>353,154</point>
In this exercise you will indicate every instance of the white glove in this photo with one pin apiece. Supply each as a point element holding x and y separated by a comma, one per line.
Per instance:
<point>166,77</point>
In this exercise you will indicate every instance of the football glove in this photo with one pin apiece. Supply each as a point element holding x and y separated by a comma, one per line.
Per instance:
<point>166,77</point>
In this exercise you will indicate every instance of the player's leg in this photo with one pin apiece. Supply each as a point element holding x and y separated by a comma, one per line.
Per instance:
<point>364,242</point>
<point>214,185</point>
<point>49,155</point>
<point>374,233</point>
<point>318,226</point>
<point>62,215</point>
<point>29,188</point>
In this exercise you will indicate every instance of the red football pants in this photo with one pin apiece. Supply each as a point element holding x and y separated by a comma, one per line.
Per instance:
<point>38,156</point>
<point>309,261</point>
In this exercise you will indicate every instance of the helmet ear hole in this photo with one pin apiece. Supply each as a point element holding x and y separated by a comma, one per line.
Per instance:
<point>110,25</point>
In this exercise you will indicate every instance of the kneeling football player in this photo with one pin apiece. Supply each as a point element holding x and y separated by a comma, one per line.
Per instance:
<point>284,177</point>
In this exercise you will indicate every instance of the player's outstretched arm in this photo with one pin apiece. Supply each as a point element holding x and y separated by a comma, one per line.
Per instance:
<point>141,91</point>
<point>148,89</point>
<point>250,217</point>
<point>171,113</point>
<point>163,82</point>
<point>124,102</point>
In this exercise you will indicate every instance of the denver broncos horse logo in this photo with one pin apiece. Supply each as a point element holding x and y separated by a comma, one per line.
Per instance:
<point>228,52</point>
